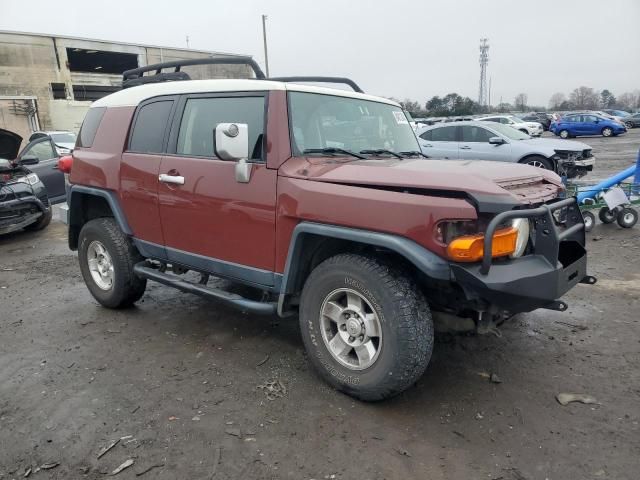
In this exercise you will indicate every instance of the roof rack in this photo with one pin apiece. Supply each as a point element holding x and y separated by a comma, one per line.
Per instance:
<point>134,77</point>
<point>344,80</point>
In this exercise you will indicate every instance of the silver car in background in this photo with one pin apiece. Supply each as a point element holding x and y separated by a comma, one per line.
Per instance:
<point>475,140</point>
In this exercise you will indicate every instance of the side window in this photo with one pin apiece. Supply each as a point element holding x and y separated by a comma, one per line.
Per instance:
<point>43,150</point>
<point>475,134</point>
<point>505,121</point>
<point>150,126</point>
<point>492,119</point>
<point>201,115</point>
<point>90,127</point>
<point>426,135</point>
<point>444,134</point>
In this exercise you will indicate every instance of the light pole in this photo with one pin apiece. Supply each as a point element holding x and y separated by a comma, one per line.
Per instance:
<point>264,37</point>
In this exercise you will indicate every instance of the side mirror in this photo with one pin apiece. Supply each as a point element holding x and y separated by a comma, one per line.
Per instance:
<point>231,142</point>
<point>496,141</point>
<point>29,160</point>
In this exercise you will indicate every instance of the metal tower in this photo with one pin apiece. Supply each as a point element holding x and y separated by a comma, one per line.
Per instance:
<point>483,97</point>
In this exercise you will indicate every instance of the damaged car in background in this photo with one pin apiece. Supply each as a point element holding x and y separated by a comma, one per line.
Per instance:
<point>493,141</point>
<point>24,203</point>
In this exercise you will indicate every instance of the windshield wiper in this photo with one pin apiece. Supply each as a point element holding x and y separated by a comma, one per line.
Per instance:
<point>413,153</point>
<point>381,151</point>
<point>333,151</point>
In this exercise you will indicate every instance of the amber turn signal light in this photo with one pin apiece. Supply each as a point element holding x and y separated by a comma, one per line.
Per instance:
<point>470,248</point>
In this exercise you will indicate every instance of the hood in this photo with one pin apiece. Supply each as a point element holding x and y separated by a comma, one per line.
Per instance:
<point>9,144</point>
<point>521,184</point>
<point>556,144</point>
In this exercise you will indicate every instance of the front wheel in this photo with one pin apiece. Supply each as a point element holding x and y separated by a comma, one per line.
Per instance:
<point>107,257</point>
<point>627,217</point>
<point>366,326</point>
<point>607,132</point>
<point>540,162</point>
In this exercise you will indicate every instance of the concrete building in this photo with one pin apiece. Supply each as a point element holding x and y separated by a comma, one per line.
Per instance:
<point>48,82</point>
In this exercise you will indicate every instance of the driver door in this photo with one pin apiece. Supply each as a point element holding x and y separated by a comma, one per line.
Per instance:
<point>474,145</point>
<point>47,167</point>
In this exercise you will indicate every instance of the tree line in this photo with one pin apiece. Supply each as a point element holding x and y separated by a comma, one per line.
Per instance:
<point>581,98</point>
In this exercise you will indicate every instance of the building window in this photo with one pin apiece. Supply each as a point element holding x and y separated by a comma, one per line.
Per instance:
<point>58,90</point>
<point>100,61</point>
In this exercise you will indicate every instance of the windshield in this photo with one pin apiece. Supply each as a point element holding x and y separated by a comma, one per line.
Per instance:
<point>509,132</point>
<point>515,119</point>
<point>63,138</point>
<point>326,121</point>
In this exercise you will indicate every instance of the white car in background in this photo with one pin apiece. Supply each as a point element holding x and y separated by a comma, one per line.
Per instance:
<point>494,141</point>
<point>64,141</point>
<point>530,128</point>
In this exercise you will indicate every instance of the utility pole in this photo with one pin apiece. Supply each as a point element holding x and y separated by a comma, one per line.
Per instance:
<point>187,41</point>
<point>264,38</point>
<point>484,60</point>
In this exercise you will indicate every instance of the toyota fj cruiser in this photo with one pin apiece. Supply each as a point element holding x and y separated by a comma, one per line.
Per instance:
<point>320,200</point>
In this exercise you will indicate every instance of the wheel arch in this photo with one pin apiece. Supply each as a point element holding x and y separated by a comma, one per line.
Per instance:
<point>312,243</point>
<point>87,203</point>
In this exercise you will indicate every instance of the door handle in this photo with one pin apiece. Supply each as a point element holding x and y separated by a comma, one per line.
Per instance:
<point>174,179</point>
<point>427,145</point>
<point>465,148</point>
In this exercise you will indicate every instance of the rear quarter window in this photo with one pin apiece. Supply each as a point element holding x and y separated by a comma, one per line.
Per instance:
<point>90,127</point>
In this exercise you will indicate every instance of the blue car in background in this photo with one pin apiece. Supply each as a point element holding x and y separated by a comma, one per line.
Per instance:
<point>577,124</point>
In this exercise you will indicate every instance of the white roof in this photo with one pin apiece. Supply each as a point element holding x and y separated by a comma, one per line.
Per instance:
<point>134,95</point>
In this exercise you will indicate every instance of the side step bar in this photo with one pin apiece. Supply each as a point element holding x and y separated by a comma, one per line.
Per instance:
<point>143,270</point>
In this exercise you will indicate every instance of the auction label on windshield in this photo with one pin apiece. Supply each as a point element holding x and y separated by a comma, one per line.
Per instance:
<point>400,117</point>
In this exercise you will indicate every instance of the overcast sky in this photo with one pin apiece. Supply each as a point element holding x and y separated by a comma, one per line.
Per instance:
<point>405,49</point>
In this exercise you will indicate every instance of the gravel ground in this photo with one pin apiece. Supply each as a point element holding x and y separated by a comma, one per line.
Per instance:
<point>181,384</point>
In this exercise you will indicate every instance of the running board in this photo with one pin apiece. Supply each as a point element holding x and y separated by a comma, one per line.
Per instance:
<point>143,270</point>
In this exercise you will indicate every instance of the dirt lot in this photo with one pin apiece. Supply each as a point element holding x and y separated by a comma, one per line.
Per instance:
<point>179,381</point>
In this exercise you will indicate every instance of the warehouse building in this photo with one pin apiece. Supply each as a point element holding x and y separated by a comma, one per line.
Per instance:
<point>48,82</point>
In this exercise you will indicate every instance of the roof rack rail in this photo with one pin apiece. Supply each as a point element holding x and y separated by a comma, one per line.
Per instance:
<point>134,77</point>
<point>344,80</point>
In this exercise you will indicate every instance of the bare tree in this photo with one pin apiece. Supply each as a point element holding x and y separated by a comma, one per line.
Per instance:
<point>520,101</point>
<point>556,100</point>
<point>584,98</point>
<point>629,100</point>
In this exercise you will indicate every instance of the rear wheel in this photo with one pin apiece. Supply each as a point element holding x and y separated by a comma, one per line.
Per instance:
<point>629,125</point>
<point>107,257</point>
<point>564,134</point>
<point>366,326</point>
<point>607,216</point>
<point>41,223</point>
<point>627,217</point>
<point>607,132</point>
<point>589,220</point>
<point>539,161</point>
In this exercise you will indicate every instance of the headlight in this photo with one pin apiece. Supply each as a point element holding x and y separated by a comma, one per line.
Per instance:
<point>31,179</point>
<point>522,226</point>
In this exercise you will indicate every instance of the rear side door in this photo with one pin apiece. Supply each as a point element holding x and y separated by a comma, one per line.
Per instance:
<point>592,124</point>
<point>210,221</point>
<point>474,145</point>
<point>440,142</point>
<point>140,167</point>
<point>47,167</point>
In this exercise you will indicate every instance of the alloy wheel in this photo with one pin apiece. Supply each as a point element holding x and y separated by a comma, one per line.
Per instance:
<point>100,265</point>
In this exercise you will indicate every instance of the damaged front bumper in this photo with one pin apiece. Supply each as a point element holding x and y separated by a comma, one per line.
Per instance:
<point>20,212</point>
<point>556,263</point>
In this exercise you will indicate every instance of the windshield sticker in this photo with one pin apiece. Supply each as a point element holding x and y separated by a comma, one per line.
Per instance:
<point>400,117</point>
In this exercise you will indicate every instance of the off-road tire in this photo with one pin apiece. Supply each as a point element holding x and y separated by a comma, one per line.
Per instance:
<point>627,217</point>
<point>41,223</point>
<point>127,287</point>
<point>607,132</point>
<point>405,319</point>
<point>606,216</point>
<point>589,220</point>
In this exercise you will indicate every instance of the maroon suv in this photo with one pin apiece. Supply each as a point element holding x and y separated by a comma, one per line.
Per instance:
<point>320,200</point>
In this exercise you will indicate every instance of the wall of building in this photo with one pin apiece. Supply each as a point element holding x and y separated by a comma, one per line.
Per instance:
<point>30,63</point>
